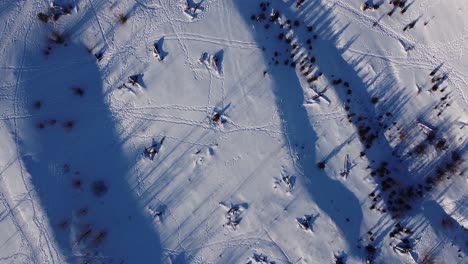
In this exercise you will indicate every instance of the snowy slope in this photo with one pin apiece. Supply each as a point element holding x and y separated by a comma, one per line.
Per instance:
<point>328,132</point>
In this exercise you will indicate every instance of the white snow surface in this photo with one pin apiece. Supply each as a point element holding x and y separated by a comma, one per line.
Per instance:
<point>246,148</point>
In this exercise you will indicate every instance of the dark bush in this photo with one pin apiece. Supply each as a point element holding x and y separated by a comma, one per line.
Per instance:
<point>43,17</point>
<point>83,211</point>
<point>456,156</point>
<point>78,91</point>
<point>321,165</point>
<point>123,18</point>
<point>64,224</point>
<point>441,144</point>
<point>370,249</point>
<point>57,38</point>
<point>68,125</point>
<point>37,104</point>
<point>77,183</point>
<point>420,149</point>
<point>99,188</point>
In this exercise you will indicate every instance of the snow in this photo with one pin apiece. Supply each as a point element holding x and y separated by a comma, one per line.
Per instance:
<point>244,149</point>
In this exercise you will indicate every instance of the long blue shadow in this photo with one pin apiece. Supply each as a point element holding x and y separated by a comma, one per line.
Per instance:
<point>78,168</point>
<point>337,201</point>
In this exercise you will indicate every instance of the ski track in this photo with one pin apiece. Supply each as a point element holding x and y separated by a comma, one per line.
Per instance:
<point>230,37</point>
<point>176,221</point>
<point>148,6</point>
<point>15,129</point>
<point>43,234</point>
<point>12,216</point>
<point>179,40</point>
<point>210,87</point>
<point>99,24</point>
<point>213,40</point>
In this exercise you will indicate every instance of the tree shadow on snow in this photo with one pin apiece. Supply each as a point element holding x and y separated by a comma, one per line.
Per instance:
<point>331,195</point>
<point>78,169</point>
<point>315,25</point>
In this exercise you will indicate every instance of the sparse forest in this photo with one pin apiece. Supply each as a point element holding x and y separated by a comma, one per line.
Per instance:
<point>237,131</point>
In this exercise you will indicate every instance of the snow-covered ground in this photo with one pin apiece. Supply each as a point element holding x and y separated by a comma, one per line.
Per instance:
<point>233,131</point>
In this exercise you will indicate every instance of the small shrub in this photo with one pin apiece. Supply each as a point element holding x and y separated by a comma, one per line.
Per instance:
<point>428,258</point>
<point>370,249</point>
<point>83,211</point>
<point>37,104</point>
<point>431,136</point>
<point>133,79</point>
<point>66,168</point>
<point>99,188</point>
<point>123,18</point>
<point>274,16</point>
<point>299,3</point>
<point>337,81</point>
<point>57,38</point>
<point>456,156</point>
<point>441,144</point>
<point>68,125</point>
<point>339,260</point>
<point>78,91</point>
<point>43,17</point>
<point>99,56</point>
<point>216,117</point>
<point>321,165</point>
<point>421,149</point>
<point>447,222</point>
<point>77,183</point>
<point>64,224</point>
